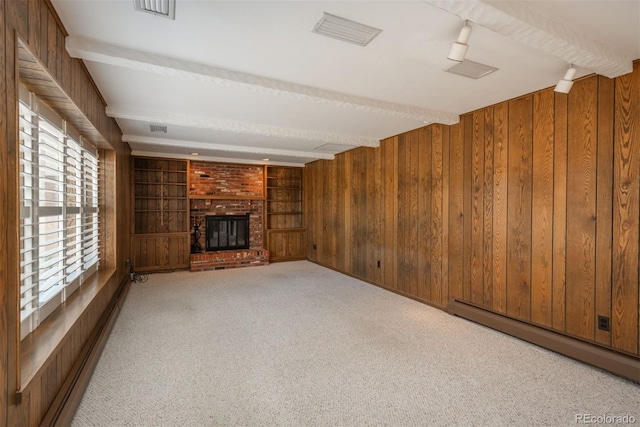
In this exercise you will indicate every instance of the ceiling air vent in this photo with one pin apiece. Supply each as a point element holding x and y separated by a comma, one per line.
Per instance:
<point>345,30</point>
<point>471,69</point>
<point>166,8</point>
<point>158,128</point>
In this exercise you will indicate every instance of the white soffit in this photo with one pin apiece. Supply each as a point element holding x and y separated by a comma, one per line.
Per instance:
<point>92,50</point>
<point>223,147</point>
<point>238,127</point>
<point>519,23</point>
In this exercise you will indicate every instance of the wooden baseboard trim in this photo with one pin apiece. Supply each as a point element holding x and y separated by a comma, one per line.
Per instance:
<point>600,357</point>
<point>68,399</point>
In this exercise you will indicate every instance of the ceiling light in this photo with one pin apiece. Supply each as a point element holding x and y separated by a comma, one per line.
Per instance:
<point>459,48</point>
<point>265,160</point>
<point>194,154</point>
<point>346,30</point>
<point>166,8</point>
<point>566,83</point>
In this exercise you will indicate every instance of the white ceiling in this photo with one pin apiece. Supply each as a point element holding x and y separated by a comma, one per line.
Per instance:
<point>242,81</point>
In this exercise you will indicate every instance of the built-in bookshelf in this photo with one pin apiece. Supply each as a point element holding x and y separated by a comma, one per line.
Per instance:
<point>284,213</point>
<point>161,214</point>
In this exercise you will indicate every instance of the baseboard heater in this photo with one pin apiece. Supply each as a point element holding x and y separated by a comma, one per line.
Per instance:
<point>68,399</point>
<point>600,357</point>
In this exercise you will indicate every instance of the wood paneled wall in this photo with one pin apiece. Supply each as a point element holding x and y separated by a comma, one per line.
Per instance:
<point>528,208</point>
<point>37,26</point>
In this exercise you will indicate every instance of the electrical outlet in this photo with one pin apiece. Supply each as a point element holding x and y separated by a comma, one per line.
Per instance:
<point>604,323</point>
<point>127,263</point>
<point>314,246</point>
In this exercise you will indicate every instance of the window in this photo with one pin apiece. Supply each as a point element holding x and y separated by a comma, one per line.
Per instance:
<point>59,236</point>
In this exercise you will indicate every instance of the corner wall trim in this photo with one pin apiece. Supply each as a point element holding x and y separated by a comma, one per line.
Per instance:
<point>609,360</point>
<point>68,399</point>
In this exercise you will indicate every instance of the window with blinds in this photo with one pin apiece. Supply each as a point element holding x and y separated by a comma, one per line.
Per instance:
<point>59,235</point>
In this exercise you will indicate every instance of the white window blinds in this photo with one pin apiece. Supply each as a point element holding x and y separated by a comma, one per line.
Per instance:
<point>59,235</point>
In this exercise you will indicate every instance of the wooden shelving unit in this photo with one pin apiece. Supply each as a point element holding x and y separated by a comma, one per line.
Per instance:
<point>161,214</point>
<point>284,219</point>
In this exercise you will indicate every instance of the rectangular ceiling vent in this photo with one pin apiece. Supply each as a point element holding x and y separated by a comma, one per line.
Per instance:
<point>333,148</point>
<point>345,30</point>
<point>166,8</point>
<point>471,69</point>
<point>158,128</point>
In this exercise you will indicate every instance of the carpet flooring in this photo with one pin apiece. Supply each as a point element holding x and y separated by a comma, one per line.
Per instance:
<point>296,344</point>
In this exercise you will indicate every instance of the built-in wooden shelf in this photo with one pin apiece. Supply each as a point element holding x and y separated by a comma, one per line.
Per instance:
<point>284,226</point>
<point>223,197</point>
<point>161,237</point>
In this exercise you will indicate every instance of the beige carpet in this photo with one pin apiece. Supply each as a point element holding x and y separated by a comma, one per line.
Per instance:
<point>295,344</point>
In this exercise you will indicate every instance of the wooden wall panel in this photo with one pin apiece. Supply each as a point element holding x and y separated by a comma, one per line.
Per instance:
<point>559,213</point>
<point>581,209</point>
<point>604,201</point>
<point>499,208</point>
<point>411,231</point>
<point>425,200</point>
<point>456,210</point>
<point>341,226</point>
<point>542,209</point>
<point>390,211</point>
<point>36,25</point>
<point>626,201</point>
<point>519,208</point>
<point>4,219</point>
<point>436,232</point>
<point>467,192</point>
<point>477,208</point>
<point>529,208</point>
<point>487,211</point>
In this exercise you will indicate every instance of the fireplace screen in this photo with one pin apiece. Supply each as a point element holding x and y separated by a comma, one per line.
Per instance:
<point>227,232</point>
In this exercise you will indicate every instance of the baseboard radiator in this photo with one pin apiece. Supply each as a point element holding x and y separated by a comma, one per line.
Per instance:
<point>68,399</point>
<point>600,357</point>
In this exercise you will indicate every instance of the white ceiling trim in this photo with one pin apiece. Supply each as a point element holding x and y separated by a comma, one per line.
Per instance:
<point>144,153</point>
<point>518,22</point>
<point>92,50</point>
<point>191,145</point>
<point>237,127</point>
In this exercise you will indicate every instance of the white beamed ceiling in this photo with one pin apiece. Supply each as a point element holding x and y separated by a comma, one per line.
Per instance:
<point>242,81</point>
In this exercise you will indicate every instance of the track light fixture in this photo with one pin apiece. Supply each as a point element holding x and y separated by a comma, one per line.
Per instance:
<point>459,48</point>
<point>564,84</point>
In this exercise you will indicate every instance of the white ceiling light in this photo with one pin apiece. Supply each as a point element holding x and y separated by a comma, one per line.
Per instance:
<point>459,48</point>
<point>345,30</point>
<point>166,8</point>
<point>566,83</point>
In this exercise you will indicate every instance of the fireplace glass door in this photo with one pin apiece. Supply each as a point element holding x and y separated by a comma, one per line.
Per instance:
<point>227,232</point>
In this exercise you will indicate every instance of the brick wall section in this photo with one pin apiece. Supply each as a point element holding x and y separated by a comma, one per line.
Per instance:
<point>201,208</point>
<point>228,259</point>
<point>231,180</point>
<point>226,179</point>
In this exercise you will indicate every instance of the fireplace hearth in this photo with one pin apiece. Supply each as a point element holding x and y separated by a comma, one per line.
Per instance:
<point>226,232</point>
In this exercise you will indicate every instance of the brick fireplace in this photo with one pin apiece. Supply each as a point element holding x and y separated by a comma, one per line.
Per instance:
<point>223,189</point>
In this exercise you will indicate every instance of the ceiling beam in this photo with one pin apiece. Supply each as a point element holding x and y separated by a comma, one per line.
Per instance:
<point>191,145</point>
<point>238,127</point>
<point>519,23</point>
<point>92,50</point>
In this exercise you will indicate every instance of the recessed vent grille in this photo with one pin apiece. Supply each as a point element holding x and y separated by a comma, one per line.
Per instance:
<point>332,148</point>
<point>471,69</point>
<point>345,30</point>
<point>158,128</point>
<point>166,8</point>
